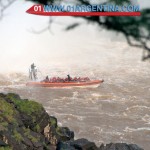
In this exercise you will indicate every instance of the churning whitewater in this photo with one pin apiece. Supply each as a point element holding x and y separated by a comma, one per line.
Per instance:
<point>117,111</point>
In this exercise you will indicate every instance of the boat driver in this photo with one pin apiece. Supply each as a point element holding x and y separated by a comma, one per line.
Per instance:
<point>69,78</point>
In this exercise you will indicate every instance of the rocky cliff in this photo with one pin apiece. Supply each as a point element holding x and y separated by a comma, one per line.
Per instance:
<point>25,124</point>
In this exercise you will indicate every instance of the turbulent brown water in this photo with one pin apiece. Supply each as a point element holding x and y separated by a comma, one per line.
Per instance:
<point>116,111</point>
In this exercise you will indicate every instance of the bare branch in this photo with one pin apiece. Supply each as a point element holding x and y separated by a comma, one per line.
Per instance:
<point>135,29</point>
<point>3,6</point>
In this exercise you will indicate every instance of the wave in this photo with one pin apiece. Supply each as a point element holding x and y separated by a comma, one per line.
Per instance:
<point>138,107</point>
<point>13,79</point>
<point>127,129</point>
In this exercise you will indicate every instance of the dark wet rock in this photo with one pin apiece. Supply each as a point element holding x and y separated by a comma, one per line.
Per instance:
<point>83,144</point>
<point>80,144</point>
<point>64,146</point>
<point>3,144</point>
<point>120,146</point>
<point>32,114</point>
<point>54,133</point>
<point>25,125</point>
<point>64,134</point>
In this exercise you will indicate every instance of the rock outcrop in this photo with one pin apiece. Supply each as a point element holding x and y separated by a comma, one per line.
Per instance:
<point>25,125</point>
<point>84,144</point>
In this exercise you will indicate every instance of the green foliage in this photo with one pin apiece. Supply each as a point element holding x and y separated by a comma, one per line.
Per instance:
<point>5,124</point>
<point>58,131</point>
<point>29,107</point>
<point>6,148</point>
<point>11,105</point>
<point>7,111</point>
<point>17,136</point>
<point>53,121</point>
<point>27,133</point>
<point>25,106</point>
<point>44,1</point>
<point>33,139</point>
<point>136,32</point>
<point>37,128</point>
<point>120,2</point>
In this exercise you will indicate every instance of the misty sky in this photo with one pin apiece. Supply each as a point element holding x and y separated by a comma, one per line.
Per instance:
<point>20,47</point>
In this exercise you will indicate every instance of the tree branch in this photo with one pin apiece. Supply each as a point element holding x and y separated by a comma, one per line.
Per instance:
<point>3,6</point>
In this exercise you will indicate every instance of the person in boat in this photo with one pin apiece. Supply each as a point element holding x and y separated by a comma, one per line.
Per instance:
<point>33,72</point>
<point>74,79</point>
<point>46,79</point>
<point>54,79</point>
<point>58,79</point>
<point>69,78</point>
<point>33,66</point>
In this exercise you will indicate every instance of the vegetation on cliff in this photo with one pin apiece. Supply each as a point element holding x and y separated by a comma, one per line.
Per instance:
<point>26,125</point>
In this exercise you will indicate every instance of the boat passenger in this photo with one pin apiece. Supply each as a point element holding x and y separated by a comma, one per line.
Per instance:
<point>58,79</point>
<point>54,79</point>
<point>69,78</point>
<point>78,79</point>
<point>75,79</point>
<point>66,79</point>
<point>47,79</point>
<point>50,80</point>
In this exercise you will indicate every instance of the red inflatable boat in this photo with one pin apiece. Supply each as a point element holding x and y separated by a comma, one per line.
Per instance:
<point>94,83</point>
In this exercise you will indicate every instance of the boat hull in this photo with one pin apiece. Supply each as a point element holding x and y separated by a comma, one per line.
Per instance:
<point>93,83</point>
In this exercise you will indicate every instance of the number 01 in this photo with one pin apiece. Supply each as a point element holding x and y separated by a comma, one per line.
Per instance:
<point>37,8</point>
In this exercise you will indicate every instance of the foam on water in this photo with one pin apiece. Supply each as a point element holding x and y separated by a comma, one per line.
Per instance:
<point>127,129</point>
